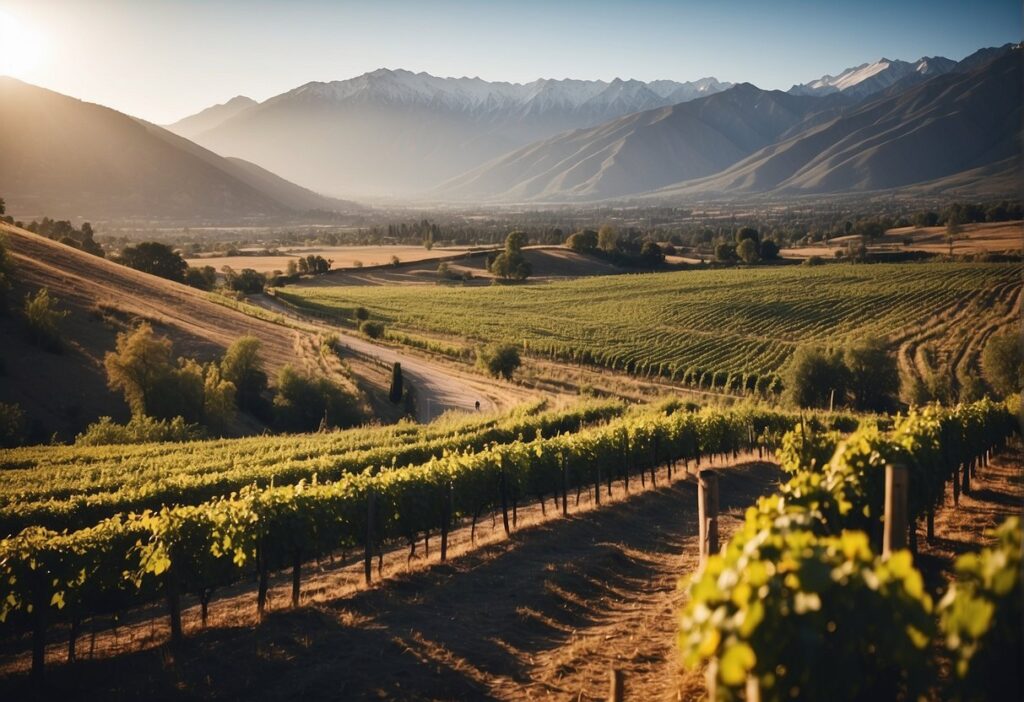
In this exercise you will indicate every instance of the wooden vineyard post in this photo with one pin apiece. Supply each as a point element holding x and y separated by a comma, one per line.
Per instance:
<point>753,689</point>
<point>504,498</point>
<point>965,485</point>
<point>956,485</point>
<point>565,486</point>
<point>930,525</point>
<point>707,513</point>
<point>446,517</point>
<point>894,533</point>
<point>371,518</point>
<point>616,686</point>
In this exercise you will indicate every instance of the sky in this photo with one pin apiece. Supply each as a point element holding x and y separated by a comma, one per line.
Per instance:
<point>164,59</point>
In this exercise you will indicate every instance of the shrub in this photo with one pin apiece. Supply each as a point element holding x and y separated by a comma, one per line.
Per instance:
<point>304,403</point>
<point>243,367</point>
<point>372,329</point>
<point>362,313</point>
<point>583,242</point>
<point>1002,362</point>
<point>872,374</point>
<point>203,278</point>
<point>812,376</point>
<point>41,317</point>
<point>813,261</point>
<point>138,430</point>
<point>500,360</point>
<point>246,281</point>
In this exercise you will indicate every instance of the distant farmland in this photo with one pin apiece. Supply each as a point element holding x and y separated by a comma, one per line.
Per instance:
<point>718,328</point>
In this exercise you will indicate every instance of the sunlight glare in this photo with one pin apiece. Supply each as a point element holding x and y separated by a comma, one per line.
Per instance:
<point>21,46</point>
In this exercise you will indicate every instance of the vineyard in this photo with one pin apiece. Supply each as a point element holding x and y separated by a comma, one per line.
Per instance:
<point>170,521</point>
<point>721,329</point>
<point>188,542</point>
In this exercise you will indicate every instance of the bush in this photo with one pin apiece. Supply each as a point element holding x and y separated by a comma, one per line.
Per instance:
<point>500,360</point>
<point>372,329</point>
<point>41,317</point>
<point>725,252</point>
<point>812,376</point>
<point>304,403</point>
<point>243,367</point>
<point>139,430</point>
<point>12,425</point>
<point>813,261</point>
<point>1002,363</point>
<point>362,313</point>
<point>872,374</point>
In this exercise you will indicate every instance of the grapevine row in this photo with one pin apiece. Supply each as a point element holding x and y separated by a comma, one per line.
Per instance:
<point>797,604</point>
<point>197,548</point>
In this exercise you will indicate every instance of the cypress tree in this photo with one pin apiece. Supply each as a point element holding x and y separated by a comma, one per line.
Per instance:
<point>395,395</point>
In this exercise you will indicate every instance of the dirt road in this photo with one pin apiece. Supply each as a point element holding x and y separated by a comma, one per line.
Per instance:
<point>438,387</point>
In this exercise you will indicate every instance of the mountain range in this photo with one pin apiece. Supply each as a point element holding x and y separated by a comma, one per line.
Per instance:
<point>931,125</point>
<point>399,133</point>
<point>746,140</point>
<point>66,158</point>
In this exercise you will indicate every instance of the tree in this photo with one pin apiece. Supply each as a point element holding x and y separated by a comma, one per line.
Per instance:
<point>725,252</point>
<point>248,281</point>
<point>500,360</point>
<point>305,403</point>
<point>41,317</point>
<point>652,254</point>
<point>814,378</point>
<point>607,239</point>
<point>1002,363</point>
<point>139,367</point>
<point>512,264</point>
<point>747,251</point>
<point>362,314</point>
<point>3,206</point>
<point>219,399</point>
<point>203,278</point>
<point>583,242</point>
<point>156,259</point>
<point>747,233</point>
<point>242,366</point>
<point>872,374</point>
<point>395,393</point>
<point>768,250</point>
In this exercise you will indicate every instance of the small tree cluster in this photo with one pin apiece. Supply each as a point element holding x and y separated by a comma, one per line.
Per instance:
<point>313,265</point>
<point>154,258</point>
<point>748,247</point>
<point>158,386</point>
<point>863,375</point>
<point>64,232</point>
<point>1002,362</point>
<point>247,281</point>
<point>511,264</point>
<point>201,277</point>
<point>305,403</point>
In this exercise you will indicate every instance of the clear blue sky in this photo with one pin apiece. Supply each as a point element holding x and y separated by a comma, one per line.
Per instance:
<point>163,59</point>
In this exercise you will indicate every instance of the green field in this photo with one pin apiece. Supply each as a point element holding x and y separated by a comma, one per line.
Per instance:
<point>730,328</point>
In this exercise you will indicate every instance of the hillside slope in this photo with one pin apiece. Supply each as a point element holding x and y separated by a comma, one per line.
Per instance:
<point>936,131</point>
<point>193,125</point>
<point>64,392</point>
<point>641,151</point>
<point>66,158</point>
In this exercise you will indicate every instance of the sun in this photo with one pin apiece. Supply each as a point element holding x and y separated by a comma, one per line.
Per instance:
<point>21,46</point>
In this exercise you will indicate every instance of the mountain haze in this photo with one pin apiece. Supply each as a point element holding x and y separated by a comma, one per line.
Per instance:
<point>66,158</point>
<point>642,151</point>
<point>193,125</point>
<point>394,133</point>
